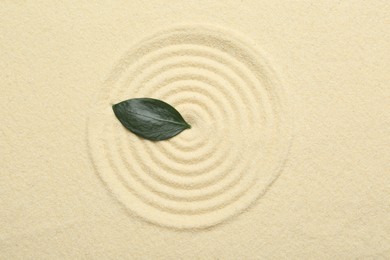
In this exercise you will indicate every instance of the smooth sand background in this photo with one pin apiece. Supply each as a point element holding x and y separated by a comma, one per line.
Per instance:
<point>332,200</point>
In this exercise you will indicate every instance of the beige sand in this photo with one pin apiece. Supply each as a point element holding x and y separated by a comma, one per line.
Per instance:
<point>238,144</point>
<point>288,156</point>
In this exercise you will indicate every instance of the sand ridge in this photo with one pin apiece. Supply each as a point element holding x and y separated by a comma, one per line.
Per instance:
<point>240,136</point>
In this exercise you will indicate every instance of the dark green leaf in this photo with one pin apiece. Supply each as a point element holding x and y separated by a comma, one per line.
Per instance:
<point>150,118</point>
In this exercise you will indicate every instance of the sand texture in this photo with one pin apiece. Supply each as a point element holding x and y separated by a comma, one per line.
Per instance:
<point>288,156</point>
<point>236,148</point>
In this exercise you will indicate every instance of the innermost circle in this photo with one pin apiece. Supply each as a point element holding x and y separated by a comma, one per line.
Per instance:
<point>191,119</point>
<point>231,154</point>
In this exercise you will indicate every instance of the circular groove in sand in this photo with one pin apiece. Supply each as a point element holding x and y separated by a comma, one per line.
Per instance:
<point>235,150</point>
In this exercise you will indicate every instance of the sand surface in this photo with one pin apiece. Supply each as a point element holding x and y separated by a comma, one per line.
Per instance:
<point>288,156</point>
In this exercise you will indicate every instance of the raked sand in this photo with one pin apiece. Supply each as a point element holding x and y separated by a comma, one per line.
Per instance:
<point>238,144</point>
<point>287,157</point>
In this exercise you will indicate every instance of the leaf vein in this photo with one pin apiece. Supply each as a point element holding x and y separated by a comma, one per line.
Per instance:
<point>158,119</point>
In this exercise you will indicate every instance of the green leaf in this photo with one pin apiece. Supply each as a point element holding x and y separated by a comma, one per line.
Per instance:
<point>150,118</point>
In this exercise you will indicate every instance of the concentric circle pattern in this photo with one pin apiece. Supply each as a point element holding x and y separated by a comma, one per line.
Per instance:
<point>234,151</point>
